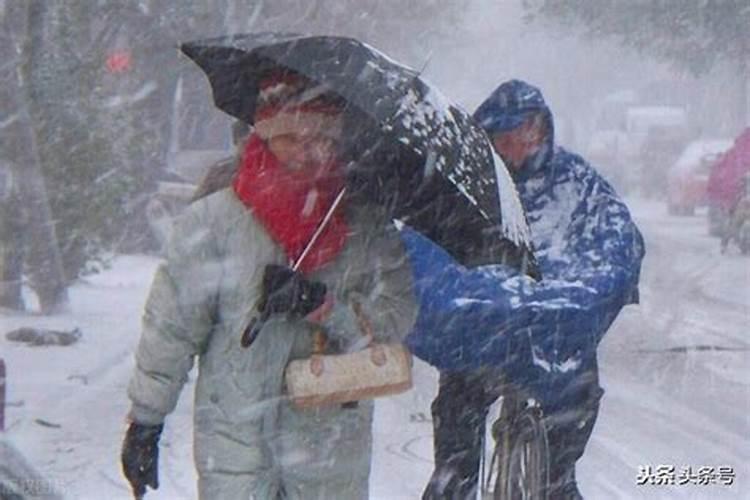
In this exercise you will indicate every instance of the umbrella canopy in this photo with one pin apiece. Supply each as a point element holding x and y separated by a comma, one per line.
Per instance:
<point>428,161</point>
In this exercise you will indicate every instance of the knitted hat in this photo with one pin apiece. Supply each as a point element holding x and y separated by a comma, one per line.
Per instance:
<point>290,103</point>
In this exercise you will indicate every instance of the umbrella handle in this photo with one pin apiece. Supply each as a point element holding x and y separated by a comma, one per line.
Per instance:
<point>253,329</point>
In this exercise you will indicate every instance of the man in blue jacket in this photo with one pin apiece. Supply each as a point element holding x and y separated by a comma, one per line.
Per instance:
<point>489,329</point>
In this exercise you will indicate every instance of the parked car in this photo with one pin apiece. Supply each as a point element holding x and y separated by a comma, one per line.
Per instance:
<point>635,145</point>
<point>687,179</point>
<point>661,148</point>
<point>725,182</point>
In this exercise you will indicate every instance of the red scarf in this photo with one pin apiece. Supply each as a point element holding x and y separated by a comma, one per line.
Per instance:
<point>291,204</point>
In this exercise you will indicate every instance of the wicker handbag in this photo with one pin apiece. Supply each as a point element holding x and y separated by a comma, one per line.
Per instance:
<point>327,379</point>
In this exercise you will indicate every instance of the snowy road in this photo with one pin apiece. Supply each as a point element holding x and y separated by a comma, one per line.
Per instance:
<point>675,370</point>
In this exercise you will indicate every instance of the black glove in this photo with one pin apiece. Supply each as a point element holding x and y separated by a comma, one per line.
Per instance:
<point>287,291</point>
<point>140,457</point>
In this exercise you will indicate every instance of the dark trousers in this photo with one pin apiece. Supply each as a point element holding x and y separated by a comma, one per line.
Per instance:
<point>459,413</point>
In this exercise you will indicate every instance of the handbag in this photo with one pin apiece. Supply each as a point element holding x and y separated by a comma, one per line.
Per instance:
<point>381,369</point>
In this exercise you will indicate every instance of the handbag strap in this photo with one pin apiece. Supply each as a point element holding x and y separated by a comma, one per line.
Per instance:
<point>365,325</point>
<point>319,341</point>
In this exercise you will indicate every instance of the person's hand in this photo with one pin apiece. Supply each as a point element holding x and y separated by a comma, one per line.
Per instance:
<point>287,291</point>
<point>140,457</point>
<point>322,313</point>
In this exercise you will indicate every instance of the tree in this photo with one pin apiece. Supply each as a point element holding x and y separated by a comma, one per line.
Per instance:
<point>19,143</point>
<point>90,190</point>
<point>695,36</point>
<point>78,195</point>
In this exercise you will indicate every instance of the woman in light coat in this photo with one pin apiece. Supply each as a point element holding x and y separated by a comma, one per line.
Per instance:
<point>225,251</point>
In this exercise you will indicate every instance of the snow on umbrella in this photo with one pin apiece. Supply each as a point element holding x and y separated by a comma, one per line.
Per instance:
<point>444,180</point>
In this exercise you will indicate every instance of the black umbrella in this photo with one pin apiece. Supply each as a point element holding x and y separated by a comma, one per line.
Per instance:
<point>428,162</point>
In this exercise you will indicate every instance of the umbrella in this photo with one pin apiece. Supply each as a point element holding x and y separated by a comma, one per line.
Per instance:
<point>427,161</point>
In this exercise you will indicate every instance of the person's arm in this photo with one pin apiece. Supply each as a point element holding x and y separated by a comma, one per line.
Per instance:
<point>463,312</point>
<point>178,317</point>
<point>383,290</point>
<point>605,250</point>
<point>388,299</point>
<point>470,317</point>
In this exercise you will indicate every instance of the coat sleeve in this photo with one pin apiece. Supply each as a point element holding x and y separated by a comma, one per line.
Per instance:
<point>386,291</point>
<point>178,318</point>
<point>472,317</point>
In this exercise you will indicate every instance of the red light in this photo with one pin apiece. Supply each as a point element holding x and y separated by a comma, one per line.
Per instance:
<point>119,61</point>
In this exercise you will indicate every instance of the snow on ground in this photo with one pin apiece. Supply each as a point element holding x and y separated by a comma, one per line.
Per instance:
<point>675,370</point>
<point>79,390</point>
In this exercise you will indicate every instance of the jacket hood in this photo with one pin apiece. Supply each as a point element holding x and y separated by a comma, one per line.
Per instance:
<point>507,108</point>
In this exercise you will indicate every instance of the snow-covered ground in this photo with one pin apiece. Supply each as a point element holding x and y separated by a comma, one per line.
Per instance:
<point>675,370</point>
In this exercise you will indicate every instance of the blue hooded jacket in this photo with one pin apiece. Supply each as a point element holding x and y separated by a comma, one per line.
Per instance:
<point>589,250</point>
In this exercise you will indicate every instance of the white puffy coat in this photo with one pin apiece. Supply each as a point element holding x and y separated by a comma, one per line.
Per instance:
<point>249,441</point>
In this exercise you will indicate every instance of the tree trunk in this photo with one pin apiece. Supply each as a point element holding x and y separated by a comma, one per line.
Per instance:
<point>12,227</point>
<point>42,251</point>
